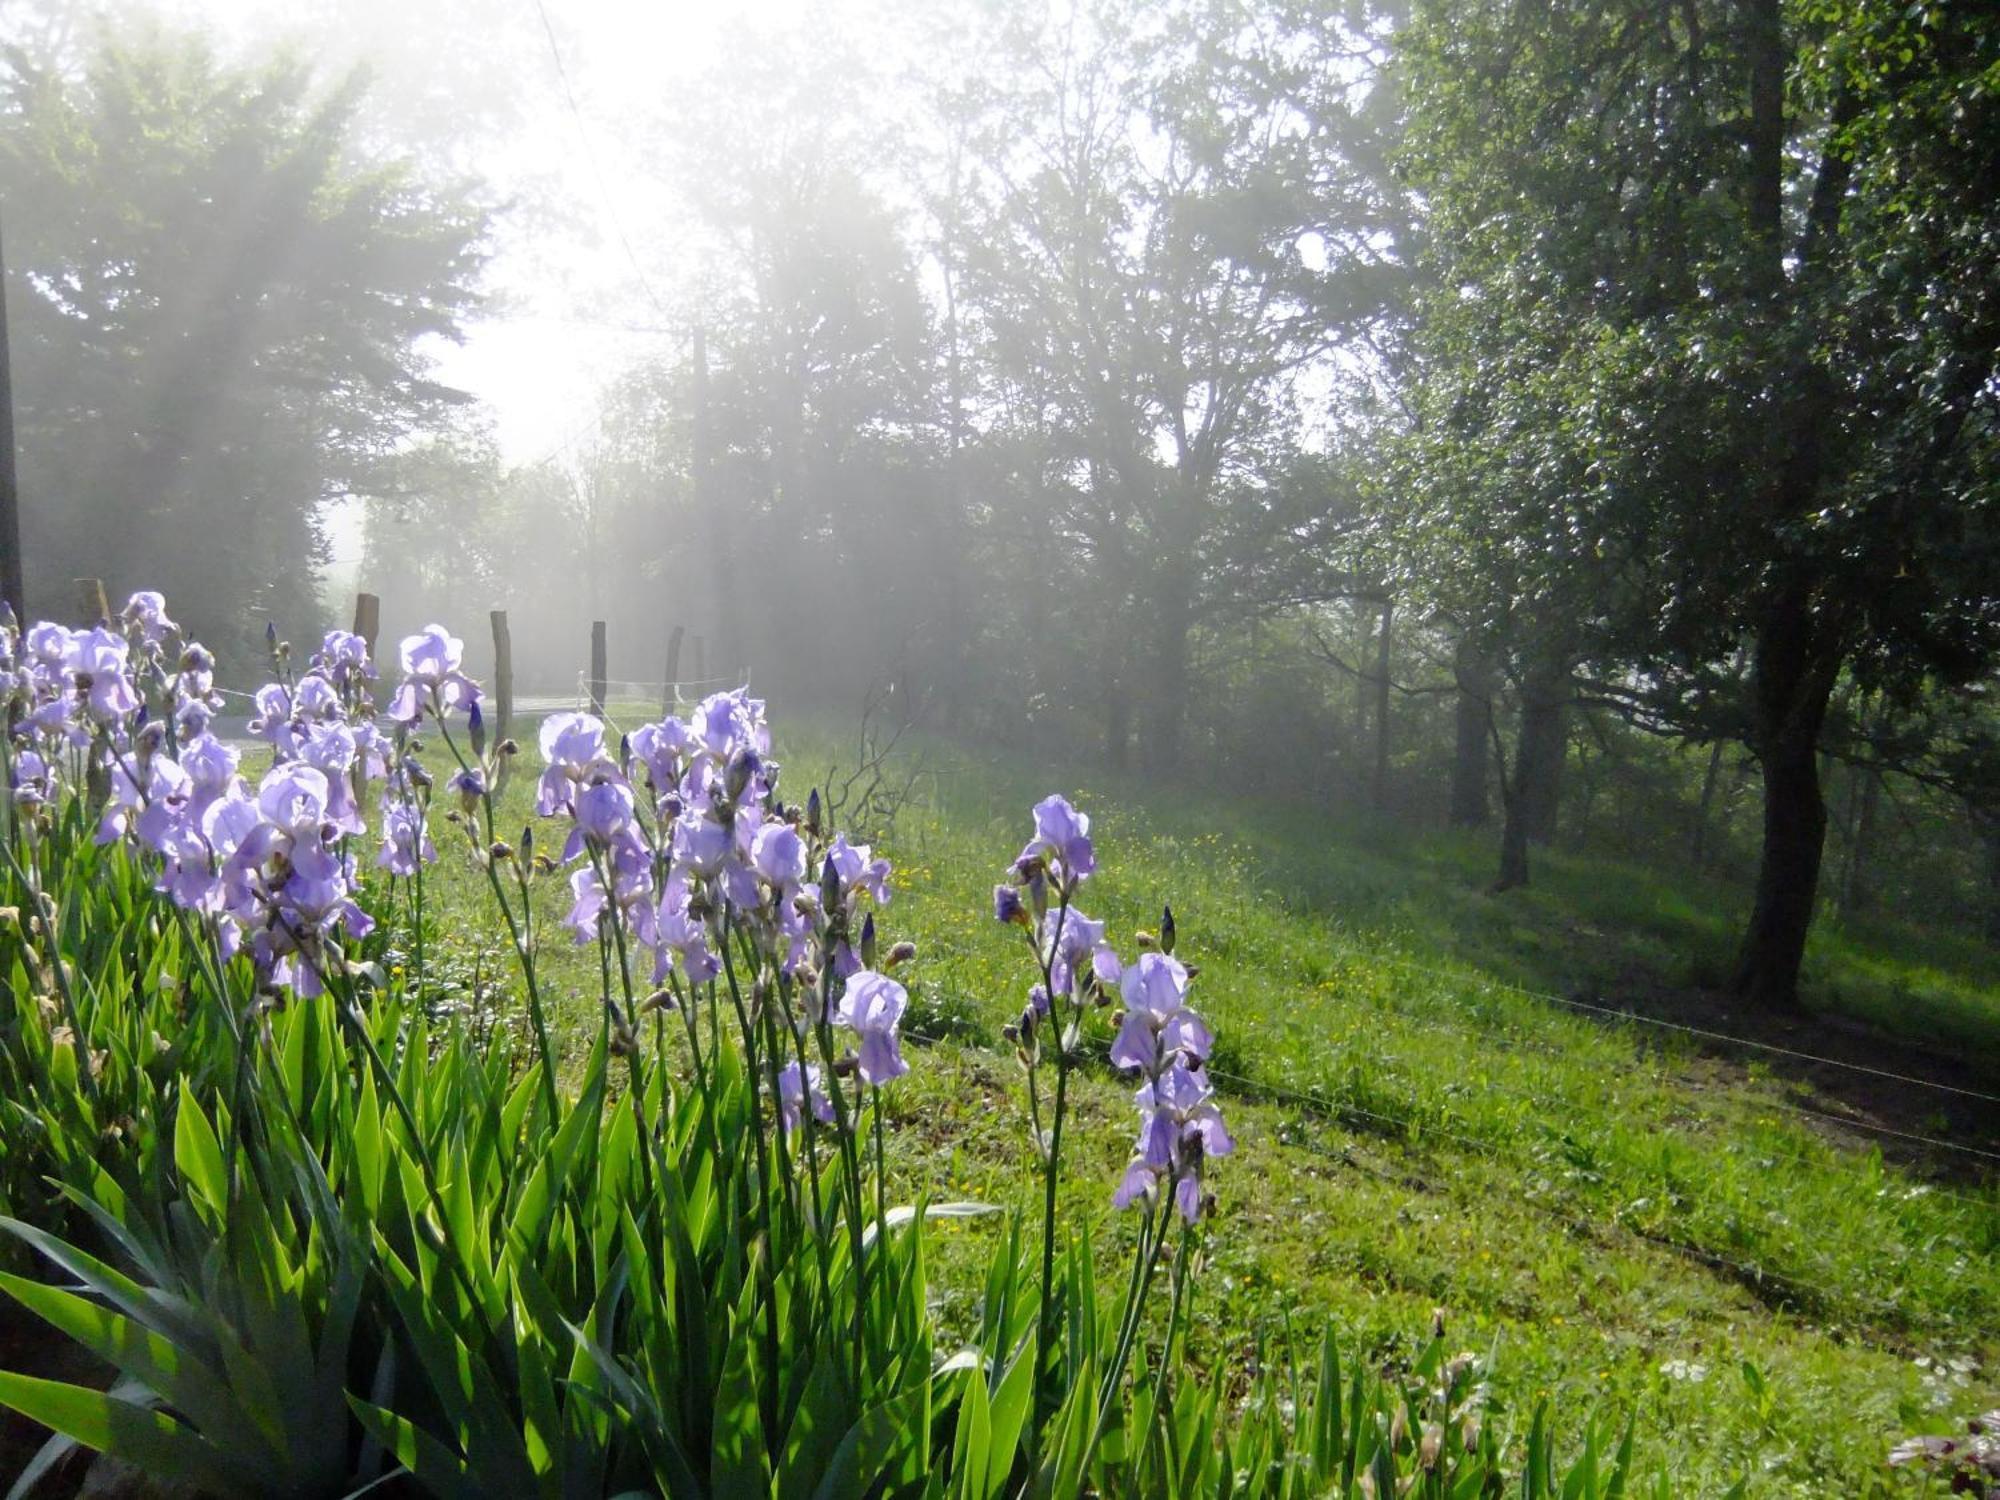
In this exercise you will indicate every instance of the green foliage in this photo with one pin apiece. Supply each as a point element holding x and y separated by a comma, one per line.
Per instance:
<point>337,1241</point>
<point>216,301</point>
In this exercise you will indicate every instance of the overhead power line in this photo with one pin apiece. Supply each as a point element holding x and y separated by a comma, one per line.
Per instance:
<point>596,167</point>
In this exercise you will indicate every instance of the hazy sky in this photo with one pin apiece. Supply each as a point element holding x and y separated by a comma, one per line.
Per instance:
<point>573,307</point>
<point>567,140</point>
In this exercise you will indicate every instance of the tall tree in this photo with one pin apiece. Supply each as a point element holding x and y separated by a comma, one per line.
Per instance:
<point>219,323</point>
<point>1156,252</point>
<point>1747,251</point>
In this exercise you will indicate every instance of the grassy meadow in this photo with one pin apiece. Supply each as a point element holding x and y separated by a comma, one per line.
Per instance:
<point>1616,1218</point>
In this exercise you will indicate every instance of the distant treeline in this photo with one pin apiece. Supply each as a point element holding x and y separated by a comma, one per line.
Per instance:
<point>1575,421</point>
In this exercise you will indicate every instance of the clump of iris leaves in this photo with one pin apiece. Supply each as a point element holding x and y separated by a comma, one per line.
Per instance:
<point>334,1240</point>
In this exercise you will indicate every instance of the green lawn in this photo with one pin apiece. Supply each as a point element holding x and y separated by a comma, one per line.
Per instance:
<point>1623,1224</point>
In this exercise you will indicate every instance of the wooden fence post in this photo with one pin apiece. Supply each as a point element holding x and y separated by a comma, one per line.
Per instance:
<point>503,676</point>
<point>368,619</point>
<point>91,606</point>
<point>670,694</point>
<point>598,671</point>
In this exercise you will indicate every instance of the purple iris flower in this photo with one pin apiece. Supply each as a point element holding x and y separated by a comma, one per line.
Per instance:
<point>799,1087</point>
<point>701,844</point>
<point>678,938</point>
<point>1180,1128</point>
<point>1008,906</point>
<point>293,798</point>
<point>470,784</point>
<point>664,749</point>
<point>1106,964</point>
<point>587,904</point>
<point>778,854</point>
<point>603,818</point>
<point>729,723</point>
<point>1157,1020</point>
<point>192,717</point>
<point>1062,835</point>
<point>211,766</point>
<point>316,698</point>
<point>406,842</point>
<point>329,748</point>
<point>153,814</point>
<point>872,1006</point>
<point>99,660</point>
<point>572,748</point>
<point>49,646</point>
<point>148,610</point>
<point>852,863</point>
<point>1068,944</point>
<point>344,652</point>
<point>1138,1181</point>
<point>273,719</point>
<point>431,676</point>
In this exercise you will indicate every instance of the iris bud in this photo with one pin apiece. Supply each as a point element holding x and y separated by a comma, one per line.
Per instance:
<point>1007,905</point>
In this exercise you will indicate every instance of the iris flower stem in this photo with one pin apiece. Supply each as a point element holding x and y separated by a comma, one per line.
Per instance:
<point>634,1070</point>
<point>239,1102</point>
<point>1045,1321</point>
<point>767,1268</point>
<point>417,919</point>
<point>1183,1265</point>
<point>514,931</point>
<point>348,1010</point>
<point>808,1125</point>
<point>850,1162</point>
<point>881,1174</point>
<point>1128,1335</point>
<point>30,878</point>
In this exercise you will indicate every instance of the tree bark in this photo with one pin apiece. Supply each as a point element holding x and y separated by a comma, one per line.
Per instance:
<point>1710,778</point>
<point>1544,778</point>
<point>1792,680</point>
<point>1379,787</point>
<point>1470,807</point>
<point>1537,749</point>
<point>1115,698</point>
<point>1857,892</point>
<point>1166,708</point>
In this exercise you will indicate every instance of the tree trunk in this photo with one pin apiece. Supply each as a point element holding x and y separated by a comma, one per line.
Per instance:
<point>1710,779</point>
<point>1767,969</point>
<point>1117,703</point>
<point>1792,682</point>
<point>1537,749</point>
<point>1513,843</point>
<point>1544,777</point>
<point>1469,805</point>
<point>1379,786</point>
<point>1166,708</point>
<point>1857,894</point>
